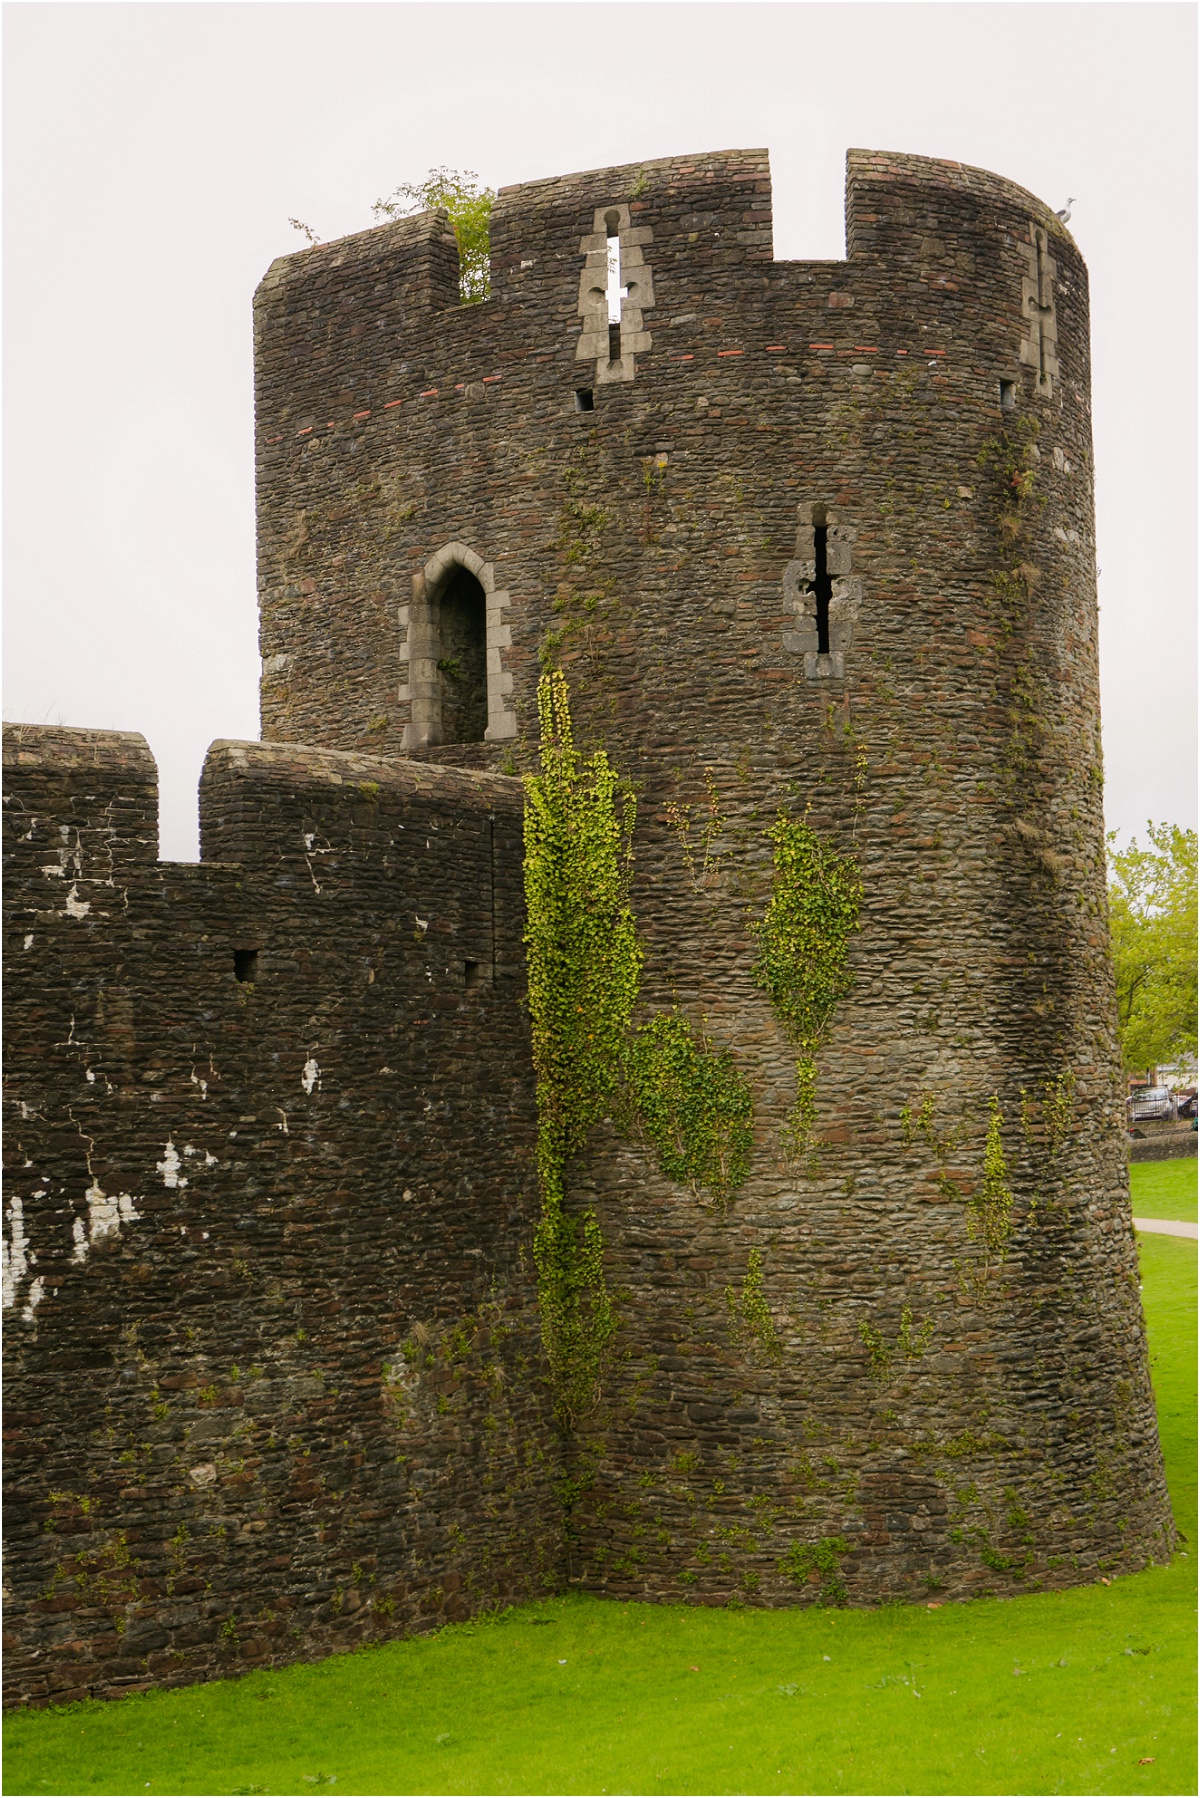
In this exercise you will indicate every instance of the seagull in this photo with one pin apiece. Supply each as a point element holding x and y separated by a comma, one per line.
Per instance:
<point>1065,214</point>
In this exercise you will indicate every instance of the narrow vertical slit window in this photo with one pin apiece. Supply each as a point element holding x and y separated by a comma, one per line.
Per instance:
<point>822,586</point>
<point>1008,396</point>
<point>616,293</point>
<point>585,400</point>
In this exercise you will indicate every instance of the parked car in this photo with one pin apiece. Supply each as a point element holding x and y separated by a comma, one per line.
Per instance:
<point>1185,1104</point>
<point>1151,1102</point>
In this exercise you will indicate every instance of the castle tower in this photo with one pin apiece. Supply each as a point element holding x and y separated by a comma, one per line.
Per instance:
<point>812,544</point>
<point>811,540</point>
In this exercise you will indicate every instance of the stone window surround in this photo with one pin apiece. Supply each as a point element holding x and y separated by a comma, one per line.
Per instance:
<point>419,636</point>
<point>800,602</point>
<point>1039,346</point>
<point>593,295</point>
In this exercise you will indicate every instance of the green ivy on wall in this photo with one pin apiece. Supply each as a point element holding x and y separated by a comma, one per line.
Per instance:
<point>1043,1148</point>
<point>692,1103</point>
<point>665,1081</point>
<point>910,1343</point>
<point>802,950</point>
<point>584,973</point>
<point>750,1318</point>
<point>989,1211</point>
<point>803,1560</point>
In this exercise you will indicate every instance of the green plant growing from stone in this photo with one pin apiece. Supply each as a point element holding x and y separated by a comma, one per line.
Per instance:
<point>803,943</point>
<point>584,966</point>
<point>689,1099</point>
<point>989,1211</point>
<point>917,1125</point>
<point>469,207</point>
<point>1058,1113</point>
<point>1013,458</point>
<point>750,1320</point>
<point>911,1342</point>
<point>803,1559</point>
<point>700,855</point>
<point>878,1352</point>
<point>654,474</point>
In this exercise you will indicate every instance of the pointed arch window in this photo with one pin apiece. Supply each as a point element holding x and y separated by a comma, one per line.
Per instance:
<point>455,639</point>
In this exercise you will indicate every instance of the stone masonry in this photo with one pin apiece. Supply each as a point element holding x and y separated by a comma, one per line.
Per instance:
<point>806,538</point>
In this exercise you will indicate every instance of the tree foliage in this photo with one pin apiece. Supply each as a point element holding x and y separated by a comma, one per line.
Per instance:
<point>1152,908</point>
<point>470,210</point>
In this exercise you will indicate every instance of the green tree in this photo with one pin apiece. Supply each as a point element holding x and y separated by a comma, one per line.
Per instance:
<point>1152,908</point>
<point>470,210</point>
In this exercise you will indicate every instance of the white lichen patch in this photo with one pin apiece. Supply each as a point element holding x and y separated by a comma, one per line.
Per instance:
<point>75,907</point>
<point>311,1077</point>
<point>16,1252</point>
<point>169,1167</point>
<point>106,1214</point>
<point>18,1258</point>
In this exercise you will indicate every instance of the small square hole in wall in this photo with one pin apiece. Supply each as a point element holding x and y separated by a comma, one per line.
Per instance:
<point>585,400</point>
<point>1008,396</point>
<point>245,964</point>
<point>471,974</point>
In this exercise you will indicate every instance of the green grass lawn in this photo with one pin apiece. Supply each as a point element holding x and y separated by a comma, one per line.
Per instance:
<point>1164,1189</point>
<point>1060,1692</point>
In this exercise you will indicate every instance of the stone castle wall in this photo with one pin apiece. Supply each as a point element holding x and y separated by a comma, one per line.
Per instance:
<point>269,1236</point>
<point>911,1422</point>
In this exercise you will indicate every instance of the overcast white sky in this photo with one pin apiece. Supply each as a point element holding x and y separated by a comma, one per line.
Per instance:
<point>154,153</point>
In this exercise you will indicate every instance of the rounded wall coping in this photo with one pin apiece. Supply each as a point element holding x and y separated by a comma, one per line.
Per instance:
<point>626,172</point>
<point>302,764</point>
<point>397,234</point>
<point>940,173</point>
<point>60,745</point>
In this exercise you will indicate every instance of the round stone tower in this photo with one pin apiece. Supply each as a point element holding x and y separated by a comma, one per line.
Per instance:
<point>810,541</point>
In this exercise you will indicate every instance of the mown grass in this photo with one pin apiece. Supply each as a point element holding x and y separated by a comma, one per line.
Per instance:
<point>1164,1189</point>
<point>1058,1692</point>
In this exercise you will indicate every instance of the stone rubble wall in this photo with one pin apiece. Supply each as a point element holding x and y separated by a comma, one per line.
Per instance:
<point>271,1364</point>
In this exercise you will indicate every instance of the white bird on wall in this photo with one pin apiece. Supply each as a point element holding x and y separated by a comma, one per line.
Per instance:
<point>1065,214</point>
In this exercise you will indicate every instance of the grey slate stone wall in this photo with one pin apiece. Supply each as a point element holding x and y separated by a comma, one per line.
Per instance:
<point>265,1367</point>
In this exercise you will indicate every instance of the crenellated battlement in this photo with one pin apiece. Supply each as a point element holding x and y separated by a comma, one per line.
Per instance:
<point>391,428</point>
